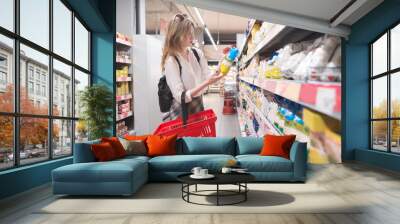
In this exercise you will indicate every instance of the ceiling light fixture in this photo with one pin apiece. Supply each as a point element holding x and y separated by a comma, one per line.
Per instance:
<point>205,28</point>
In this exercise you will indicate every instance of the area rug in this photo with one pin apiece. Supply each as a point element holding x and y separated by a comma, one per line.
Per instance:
<point>166,198</point>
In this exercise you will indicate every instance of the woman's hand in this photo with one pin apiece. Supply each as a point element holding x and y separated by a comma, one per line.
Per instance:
<point>215,77</point>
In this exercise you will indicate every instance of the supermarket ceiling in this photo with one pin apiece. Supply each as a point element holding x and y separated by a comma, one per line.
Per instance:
<point>326,16</point>
<point>163,10</point>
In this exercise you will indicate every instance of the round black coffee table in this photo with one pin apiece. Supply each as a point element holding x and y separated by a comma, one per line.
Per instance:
<point>238,179</point>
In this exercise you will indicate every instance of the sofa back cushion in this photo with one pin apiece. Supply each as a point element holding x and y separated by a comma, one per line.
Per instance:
<point>83,152</point>
<point>206,145</point>
<point>248,145</point>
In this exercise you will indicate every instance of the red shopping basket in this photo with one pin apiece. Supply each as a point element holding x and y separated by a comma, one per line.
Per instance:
<point>201,124</point>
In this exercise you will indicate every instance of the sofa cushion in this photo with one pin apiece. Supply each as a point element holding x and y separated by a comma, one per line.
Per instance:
<point>248,145</point>
<point>111,171</point>
<point>207,145</point>
<point>103,152</point>
<point>277,145</point>
<point>159,145</point>
<point>116,145</point>
<point>257,163</point>
<point>185,163</point>
<point>83,152</point>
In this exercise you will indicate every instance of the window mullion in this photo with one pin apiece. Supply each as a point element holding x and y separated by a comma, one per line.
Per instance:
<point>50,81</point>
<point>389,101</point>
<point>73,81</point>
<point>16,84</point>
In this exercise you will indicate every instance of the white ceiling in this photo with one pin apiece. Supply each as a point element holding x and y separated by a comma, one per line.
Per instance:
<point>314,15</point>
<point>215,21</point>
<point>320,9</point>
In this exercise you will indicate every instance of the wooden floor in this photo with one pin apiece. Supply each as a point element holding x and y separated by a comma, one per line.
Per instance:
<point>379,189</point>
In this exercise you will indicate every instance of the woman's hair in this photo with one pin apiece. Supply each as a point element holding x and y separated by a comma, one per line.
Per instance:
<point>178,28</point>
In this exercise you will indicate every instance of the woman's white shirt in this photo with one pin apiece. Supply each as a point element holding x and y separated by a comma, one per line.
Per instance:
<point>193,74</point>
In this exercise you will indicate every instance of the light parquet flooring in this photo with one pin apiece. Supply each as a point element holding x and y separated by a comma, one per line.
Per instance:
<point>377,189</point>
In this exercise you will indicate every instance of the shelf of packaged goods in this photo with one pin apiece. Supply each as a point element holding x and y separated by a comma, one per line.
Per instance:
<point>275,32</point>
<point>319,96</point>
<point>253,21</point>
<point>245,122</point>
<point>124,115</point>
<point>123,42</point>
<point>124,61</point>
<point>264,119</point>
<point>125,97</point>
<point>124,79</point>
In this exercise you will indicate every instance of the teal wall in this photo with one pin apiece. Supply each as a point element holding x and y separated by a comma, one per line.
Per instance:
<point>356,85</point>
<point>100,17</point>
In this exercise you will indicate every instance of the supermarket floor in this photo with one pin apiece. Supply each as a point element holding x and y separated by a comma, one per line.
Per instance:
<point>227,125</point>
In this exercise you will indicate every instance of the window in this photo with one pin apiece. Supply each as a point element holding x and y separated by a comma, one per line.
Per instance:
<point>385,96</point>
<point>30,87</point>
<point>44,91</point>
<point>35,21</point>
<point>62,29</point>
<point>61,74</point>
<point>6,73</point>
<point>81,45</point>
<point>6,142</point>
<point>62,137</point>
<point>45,131</point>
<point>7,14</point>
<point>30,72</point>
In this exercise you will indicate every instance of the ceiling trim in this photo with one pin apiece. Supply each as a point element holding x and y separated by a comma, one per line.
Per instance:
<point>270,15</point>
<point>347,11</point>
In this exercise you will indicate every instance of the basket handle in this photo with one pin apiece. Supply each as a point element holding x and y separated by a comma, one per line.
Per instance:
<point>184,108</point>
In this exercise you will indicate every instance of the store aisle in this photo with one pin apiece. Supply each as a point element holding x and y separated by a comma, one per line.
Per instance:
<point>227,125</point>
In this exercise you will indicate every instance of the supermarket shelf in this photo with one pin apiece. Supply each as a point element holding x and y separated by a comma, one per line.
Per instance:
<point>261,115</point>
<point>124,61</point>
<point>123,42</point>
<point>124,79</point>
<point>125,97</point>
<point>253,21</point>
<point>274,33</point>
<point>124,115</point>
<point>322,97</point>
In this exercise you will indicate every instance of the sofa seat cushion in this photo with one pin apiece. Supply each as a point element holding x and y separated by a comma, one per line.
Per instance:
<point>112,171</point>
<point>185,163</point>
<point>257,163</point>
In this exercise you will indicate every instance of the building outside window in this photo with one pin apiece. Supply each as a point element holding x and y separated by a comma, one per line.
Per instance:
<point>34,83</point>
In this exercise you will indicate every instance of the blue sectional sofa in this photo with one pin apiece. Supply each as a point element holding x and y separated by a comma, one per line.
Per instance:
<point>125,176</point>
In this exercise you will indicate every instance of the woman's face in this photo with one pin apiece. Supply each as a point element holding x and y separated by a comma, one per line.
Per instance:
<point>188,38</point>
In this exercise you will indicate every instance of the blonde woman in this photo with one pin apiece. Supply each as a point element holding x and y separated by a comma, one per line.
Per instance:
<point>193,75</point>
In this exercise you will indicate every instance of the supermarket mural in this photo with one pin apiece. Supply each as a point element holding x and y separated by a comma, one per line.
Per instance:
<point>295,89</point>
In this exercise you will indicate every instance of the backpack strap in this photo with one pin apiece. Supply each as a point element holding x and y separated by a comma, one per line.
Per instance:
<point>196,54</point>
<point>179,65</point>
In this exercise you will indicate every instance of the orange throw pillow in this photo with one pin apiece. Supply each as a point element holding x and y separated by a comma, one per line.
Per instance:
<point>116,145</point>
<point>103,152</point>
<point>136,137</point>
<point>277,145</point>
<point>161,145</point>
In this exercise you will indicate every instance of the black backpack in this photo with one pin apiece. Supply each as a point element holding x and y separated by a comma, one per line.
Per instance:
<point>165,97</point>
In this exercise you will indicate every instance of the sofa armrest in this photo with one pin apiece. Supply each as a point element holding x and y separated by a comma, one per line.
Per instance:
<point>83,152</point>
<point>298,155</point>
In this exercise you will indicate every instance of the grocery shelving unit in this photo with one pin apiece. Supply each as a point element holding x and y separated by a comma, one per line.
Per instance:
<point>124,80</point>
<point>280,104</point>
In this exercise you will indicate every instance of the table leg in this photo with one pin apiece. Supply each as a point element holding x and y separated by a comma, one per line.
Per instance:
<point>196,188</point>
<point>245,193</point>
<point>217,194</point>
